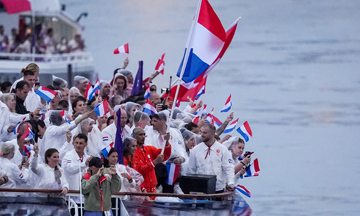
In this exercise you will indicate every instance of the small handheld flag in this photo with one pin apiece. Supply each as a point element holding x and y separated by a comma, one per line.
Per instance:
<point>243,190</point>
<point>16,128</point>
<point>160,65</point>
<point>95,89</point>
<point>149,108</point>
<point>173,172</point>
<point>231,126</point>
<point>46,94</point>
<point>88,91</point>
<point>147,92</point>
<point>253,169</point>
<point>228,105</point>
<point>28,134</point>
<point>26,150</point>
<point>102,108</point>
<point>245,131</point>
<point>122,49</point>
<point>196,119</point>
<point>63,115</point>
<point>106,150</point>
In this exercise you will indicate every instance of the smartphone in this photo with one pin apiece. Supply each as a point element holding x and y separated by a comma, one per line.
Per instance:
<point>164,107</point>
<point>248,153</point>
<point>106,171</point>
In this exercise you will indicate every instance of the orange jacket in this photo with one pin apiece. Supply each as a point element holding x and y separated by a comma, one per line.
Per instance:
<point>143,163</point>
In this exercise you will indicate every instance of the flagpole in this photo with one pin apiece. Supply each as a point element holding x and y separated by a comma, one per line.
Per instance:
<point>184,63</point>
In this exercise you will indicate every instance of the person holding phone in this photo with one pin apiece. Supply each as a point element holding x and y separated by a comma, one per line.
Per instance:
<point>97,187</point>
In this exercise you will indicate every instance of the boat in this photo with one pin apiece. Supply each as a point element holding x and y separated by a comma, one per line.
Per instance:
<point>47,13</point>
<point>46,202</point>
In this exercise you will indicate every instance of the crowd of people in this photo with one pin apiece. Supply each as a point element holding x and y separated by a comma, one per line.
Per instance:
<point>40,42</point>
<point>67,150</point>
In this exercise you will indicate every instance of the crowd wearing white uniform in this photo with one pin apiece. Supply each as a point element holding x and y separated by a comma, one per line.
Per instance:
<point>73,144</point>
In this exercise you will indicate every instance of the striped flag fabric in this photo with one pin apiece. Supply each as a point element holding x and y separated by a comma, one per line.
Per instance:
<point>160,64</point>
<point>16,128</point>
<point>105,151</point>
<point>95,89</point>
<point>216,122</point>
<point>28,134</point>
<point>205,42</point>
<point>253,169</point>
<point>228,105</point>
<point>147,92</point>
<point>149,108</point>
<point>122,49</point>
<point>200,92</point>
<point>210,117</point>
<point>196,119</point>
<point>46,94</point>
<point>245,131</point>
<point>231,126</point>
<point>243,190</point>
<point>27,150</point>
<point>173,172</point>
<point>102,108</point>
<point>63,115</point>
<point>88,91</point>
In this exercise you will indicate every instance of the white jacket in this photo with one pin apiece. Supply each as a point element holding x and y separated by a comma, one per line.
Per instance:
<point>46,176</point>
<point>108,135</point>
<point>17,178</point>
<point>55,136</point>
<point>74,168</point>
<point>219,162</point>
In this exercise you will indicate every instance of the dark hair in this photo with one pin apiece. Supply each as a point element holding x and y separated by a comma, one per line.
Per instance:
<point>50,87</point>
<point>20,85</point>
<point>109,119</point>
<point>106,161</point>
<point>41,123</point>
<point>211,127</point>
<point>77,99</point>
<point>126,144</point>
<point>123,78</point>
<point>28,73</point>
<point>5,85</point>
<point>81,136</point>
<point>153,88</point>
<point>191,125</point>
<point>63,104</point>
<point>48,153</point>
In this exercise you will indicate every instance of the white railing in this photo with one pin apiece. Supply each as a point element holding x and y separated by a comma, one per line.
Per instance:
<point>47,58</point>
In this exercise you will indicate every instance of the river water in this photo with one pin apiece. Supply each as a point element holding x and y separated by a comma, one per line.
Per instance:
<point>293,72</point>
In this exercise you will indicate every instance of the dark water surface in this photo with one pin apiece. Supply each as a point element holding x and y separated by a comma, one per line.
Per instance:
<point>293,72</point>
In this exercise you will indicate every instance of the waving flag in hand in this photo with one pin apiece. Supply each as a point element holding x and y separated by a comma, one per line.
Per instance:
<point>46,94</point>
<point>106,150</point>
<point>102,108</point>
<point>63,115</point>
<point>96,88</point>
<point>253,169</point>
<point>147,92</point>
<point>16,128</point>
<point>160,65</point>
<point>231,126</point>
<point>243,190</point>
<point>205,42</point>
<point>228,105</point>
<point>122,49</point>
<point>28,134</point>
<point>149,108</point>
<point>245,131</point>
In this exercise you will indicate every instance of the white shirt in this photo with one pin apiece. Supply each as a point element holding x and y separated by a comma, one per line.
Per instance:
<point>46,176</point>
<point>74,168</point>
<point>17,178</point>
<point>55,136</point>
<point>108,135</point>
<point>219,162</point>
<point>154,138</point>
<point>33,101</point>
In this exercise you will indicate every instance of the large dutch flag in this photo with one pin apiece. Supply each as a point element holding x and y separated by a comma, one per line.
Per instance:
<point>205,42</point>
<point>231,126</point>
<point>228,105</point>
<point>173,172</point>
<point>105,151</point>
<point>149,108</point>
<point>245,131</point>
<point>46,94</point>
<point>102,108</point>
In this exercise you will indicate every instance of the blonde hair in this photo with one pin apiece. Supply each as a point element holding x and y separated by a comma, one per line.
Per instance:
<point>31,67</point>
<point>6,149</point>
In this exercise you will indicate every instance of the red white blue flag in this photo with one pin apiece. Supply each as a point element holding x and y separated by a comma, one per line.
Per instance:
<point>46,94</point>
<point>105,151</point>
<point>147,92</point>
<point>253,169</point>
<point>231,127</point>
<point>243,190</point>
<point>205,42</point>
<point>27,150</point>
<point>16,128</point>
<point>228,105</point>
<point>149,108</point>
<point>28,134</point>
<point>173,172</point>
<point>122,49</point>
<point>160,64</point>
<point>96,88</point>
<point>63,115</point>
<point>88,91</point>
<point>245,131</point>
<point>102,108</point>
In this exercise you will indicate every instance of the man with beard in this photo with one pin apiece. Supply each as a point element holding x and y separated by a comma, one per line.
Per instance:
<point>212,158</point>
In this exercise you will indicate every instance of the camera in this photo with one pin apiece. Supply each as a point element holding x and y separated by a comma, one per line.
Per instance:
<point>165,90</point>
<point>106,171</point>
<point>248,153</point>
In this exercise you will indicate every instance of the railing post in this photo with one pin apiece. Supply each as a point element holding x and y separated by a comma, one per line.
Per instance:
<point>70,75</point>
